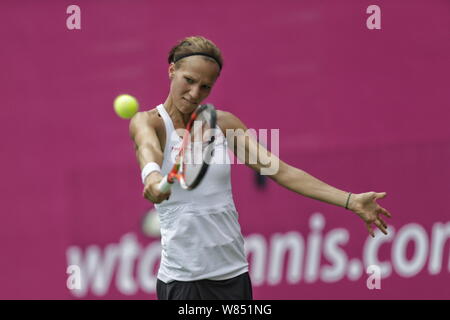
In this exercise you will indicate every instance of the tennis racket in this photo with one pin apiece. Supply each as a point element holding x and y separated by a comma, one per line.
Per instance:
<point>196,151</point>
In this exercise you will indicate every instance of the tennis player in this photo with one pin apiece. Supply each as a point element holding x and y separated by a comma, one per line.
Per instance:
<point>202,246</point>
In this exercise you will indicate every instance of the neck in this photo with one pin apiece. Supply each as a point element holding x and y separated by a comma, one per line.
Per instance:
<point>175,114</point>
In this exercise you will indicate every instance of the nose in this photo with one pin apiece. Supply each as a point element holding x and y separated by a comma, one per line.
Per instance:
<point>194,93</point>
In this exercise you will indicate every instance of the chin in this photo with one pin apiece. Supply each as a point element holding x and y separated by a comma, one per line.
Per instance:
<point>186,108</point>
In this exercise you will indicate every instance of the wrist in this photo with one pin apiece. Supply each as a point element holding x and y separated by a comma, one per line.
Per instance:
<point>352,201</point>
<point>148,169</point>
<point>154,177</point>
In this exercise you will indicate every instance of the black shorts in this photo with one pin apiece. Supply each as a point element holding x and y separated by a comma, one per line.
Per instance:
<point>237,288</point>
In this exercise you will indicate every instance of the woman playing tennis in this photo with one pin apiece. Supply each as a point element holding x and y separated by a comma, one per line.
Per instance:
<point>202,246</point>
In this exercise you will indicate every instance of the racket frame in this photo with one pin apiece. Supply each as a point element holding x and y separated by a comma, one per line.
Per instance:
<point>177,171</point>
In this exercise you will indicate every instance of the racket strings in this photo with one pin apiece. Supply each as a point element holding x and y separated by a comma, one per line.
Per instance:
<point>198,152</point>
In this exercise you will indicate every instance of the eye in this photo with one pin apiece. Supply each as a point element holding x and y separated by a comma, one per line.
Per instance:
<point>207,87</point>
<point>189,80</point>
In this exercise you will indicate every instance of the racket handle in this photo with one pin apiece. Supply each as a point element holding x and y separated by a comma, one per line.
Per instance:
<point>164,185</point>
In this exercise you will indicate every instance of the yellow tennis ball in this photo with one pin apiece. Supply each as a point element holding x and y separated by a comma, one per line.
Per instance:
<point>126,106</point>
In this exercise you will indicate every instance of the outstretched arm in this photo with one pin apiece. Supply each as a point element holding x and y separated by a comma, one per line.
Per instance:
<point>363,204</point>
<point>256,156</point>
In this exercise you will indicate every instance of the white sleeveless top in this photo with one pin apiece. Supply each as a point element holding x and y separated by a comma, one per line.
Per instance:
<point>200,234</point>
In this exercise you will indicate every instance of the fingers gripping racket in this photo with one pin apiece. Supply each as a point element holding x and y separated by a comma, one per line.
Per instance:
<point>196,150</point>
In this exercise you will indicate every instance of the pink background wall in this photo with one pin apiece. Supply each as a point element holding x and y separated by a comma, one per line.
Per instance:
<point>363,110</point>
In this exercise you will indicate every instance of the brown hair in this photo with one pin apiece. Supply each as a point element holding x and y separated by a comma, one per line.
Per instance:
<point>195,44</point>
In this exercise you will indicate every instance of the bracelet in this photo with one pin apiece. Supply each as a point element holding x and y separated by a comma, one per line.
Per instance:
<point>149,168</point>
<point>346,205</point>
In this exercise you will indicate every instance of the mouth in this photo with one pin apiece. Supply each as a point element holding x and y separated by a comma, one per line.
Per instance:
<point>189,101</point>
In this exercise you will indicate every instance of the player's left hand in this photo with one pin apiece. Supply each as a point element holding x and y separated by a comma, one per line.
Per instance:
<point>366,207</point>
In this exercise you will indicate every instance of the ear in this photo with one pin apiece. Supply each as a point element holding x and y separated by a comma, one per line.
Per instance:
<point>171,71</point>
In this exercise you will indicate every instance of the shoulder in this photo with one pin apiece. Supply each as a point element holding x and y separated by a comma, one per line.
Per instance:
<point>227,120</point>
<point>150,117</point>
<point>145,120</point>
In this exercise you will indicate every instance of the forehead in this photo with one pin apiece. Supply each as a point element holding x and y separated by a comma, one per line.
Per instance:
<point>200,68</point>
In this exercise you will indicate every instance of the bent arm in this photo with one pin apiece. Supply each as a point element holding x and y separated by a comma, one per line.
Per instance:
<point>146,142</point>
<point>148,149</point>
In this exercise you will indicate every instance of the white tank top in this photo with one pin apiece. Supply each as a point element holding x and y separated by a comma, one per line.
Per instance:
<point>200,234</point>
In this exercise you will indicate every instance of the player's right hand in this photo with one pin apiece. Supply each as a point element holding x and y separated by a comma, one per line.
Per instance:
<point>151,191</point>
